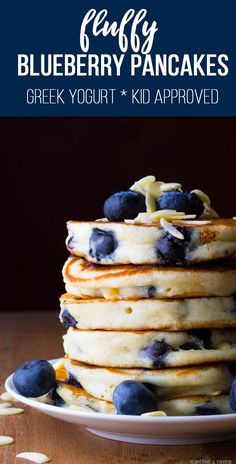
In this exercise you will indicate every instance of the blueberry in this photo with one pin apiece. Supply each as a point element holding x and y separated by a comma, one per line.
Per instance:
<point>188,203</point>
<point>195,204</point>
<point>70,242</point>
<point>157,352</point>
<point>73,381</point>
<point>171,251</point>
<point>232,368</point>
<point>202,338</point>
<point>174,200</point>
<point>207,409</point>
<point>232,396</point>
<point>55,398</point>
<point>34,378</point>
<point>124,205</point>
<point>102,244</point>
<point>151,292</point>
<point>133,398</point>
<point>67,319</point>
<point>189,346</point>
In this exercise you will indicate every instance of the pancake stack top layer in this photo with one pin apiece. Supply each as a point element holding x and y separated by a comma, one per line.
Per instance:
<point>147,302</point>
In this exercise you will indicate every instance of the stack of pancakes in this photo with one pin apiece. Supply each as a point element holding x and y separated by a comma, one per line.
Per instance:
<point>151,311</point>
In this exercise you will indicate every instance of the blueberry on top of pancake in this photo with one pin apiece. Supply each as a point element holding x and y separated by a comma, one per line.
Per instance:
<point>188,203</point>
<point>124,205</point>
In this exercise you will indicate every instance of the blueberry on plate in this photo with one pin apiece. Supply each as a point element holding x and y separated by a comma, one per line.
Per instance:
<point>102,244</point>
<point>133,398</point>
<point>232,396</point>
<point>124,205</point>
<point>34,378</point>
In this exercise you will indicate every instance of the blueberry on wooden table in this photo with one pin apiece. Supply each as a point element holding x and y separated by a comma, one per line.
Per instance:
<point>133,398</point>
<point>124,205</point>
<point>34,378</point>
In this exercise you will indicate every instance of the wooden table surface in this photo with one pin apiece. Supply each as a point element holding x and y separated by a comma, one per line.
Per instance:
<point>37,335</point>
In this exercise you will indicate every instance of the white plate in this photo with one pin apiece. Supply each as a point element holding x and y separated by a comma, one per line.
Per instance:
<point>144,430</point>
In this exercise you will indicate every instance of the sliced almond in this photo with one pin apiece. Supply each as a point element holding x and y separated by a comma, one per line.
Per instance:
<point>34,457</point>
<point>101,220</point>
<point>10,411</point>
<point>151,189</point>
<point>142,184</point>
<point>209,212</point>
<point>216,393</point>
<point>5,405</point>
<point>170,186</point>
<point>171,229</point>
<point>5,440</point>
<point>153,218</point>
<point>172,214</point>
<point>197,223</point>
<point>142,218</point>
<point>154,413</point>
<point>150,203</point>
<point>203,196</point>
<point>6,397</point>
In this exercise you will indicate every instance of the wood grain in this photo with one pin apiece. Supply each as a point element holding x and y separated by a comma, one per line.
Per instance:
<point>38,335</point>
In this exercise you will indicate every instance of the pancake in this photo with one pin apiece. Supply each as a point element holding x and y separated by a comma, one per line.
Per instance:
<point>169,383</point>
<point>148,314</point>
<point>188,406</point>
<point>78,397</point>
<point>122,243</point>
<point>86,280</point>
<point>150,349</point>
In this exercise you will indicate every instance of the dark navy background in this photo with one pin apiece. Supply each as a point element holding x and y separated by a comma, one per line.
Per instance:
<point>54,26</point>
